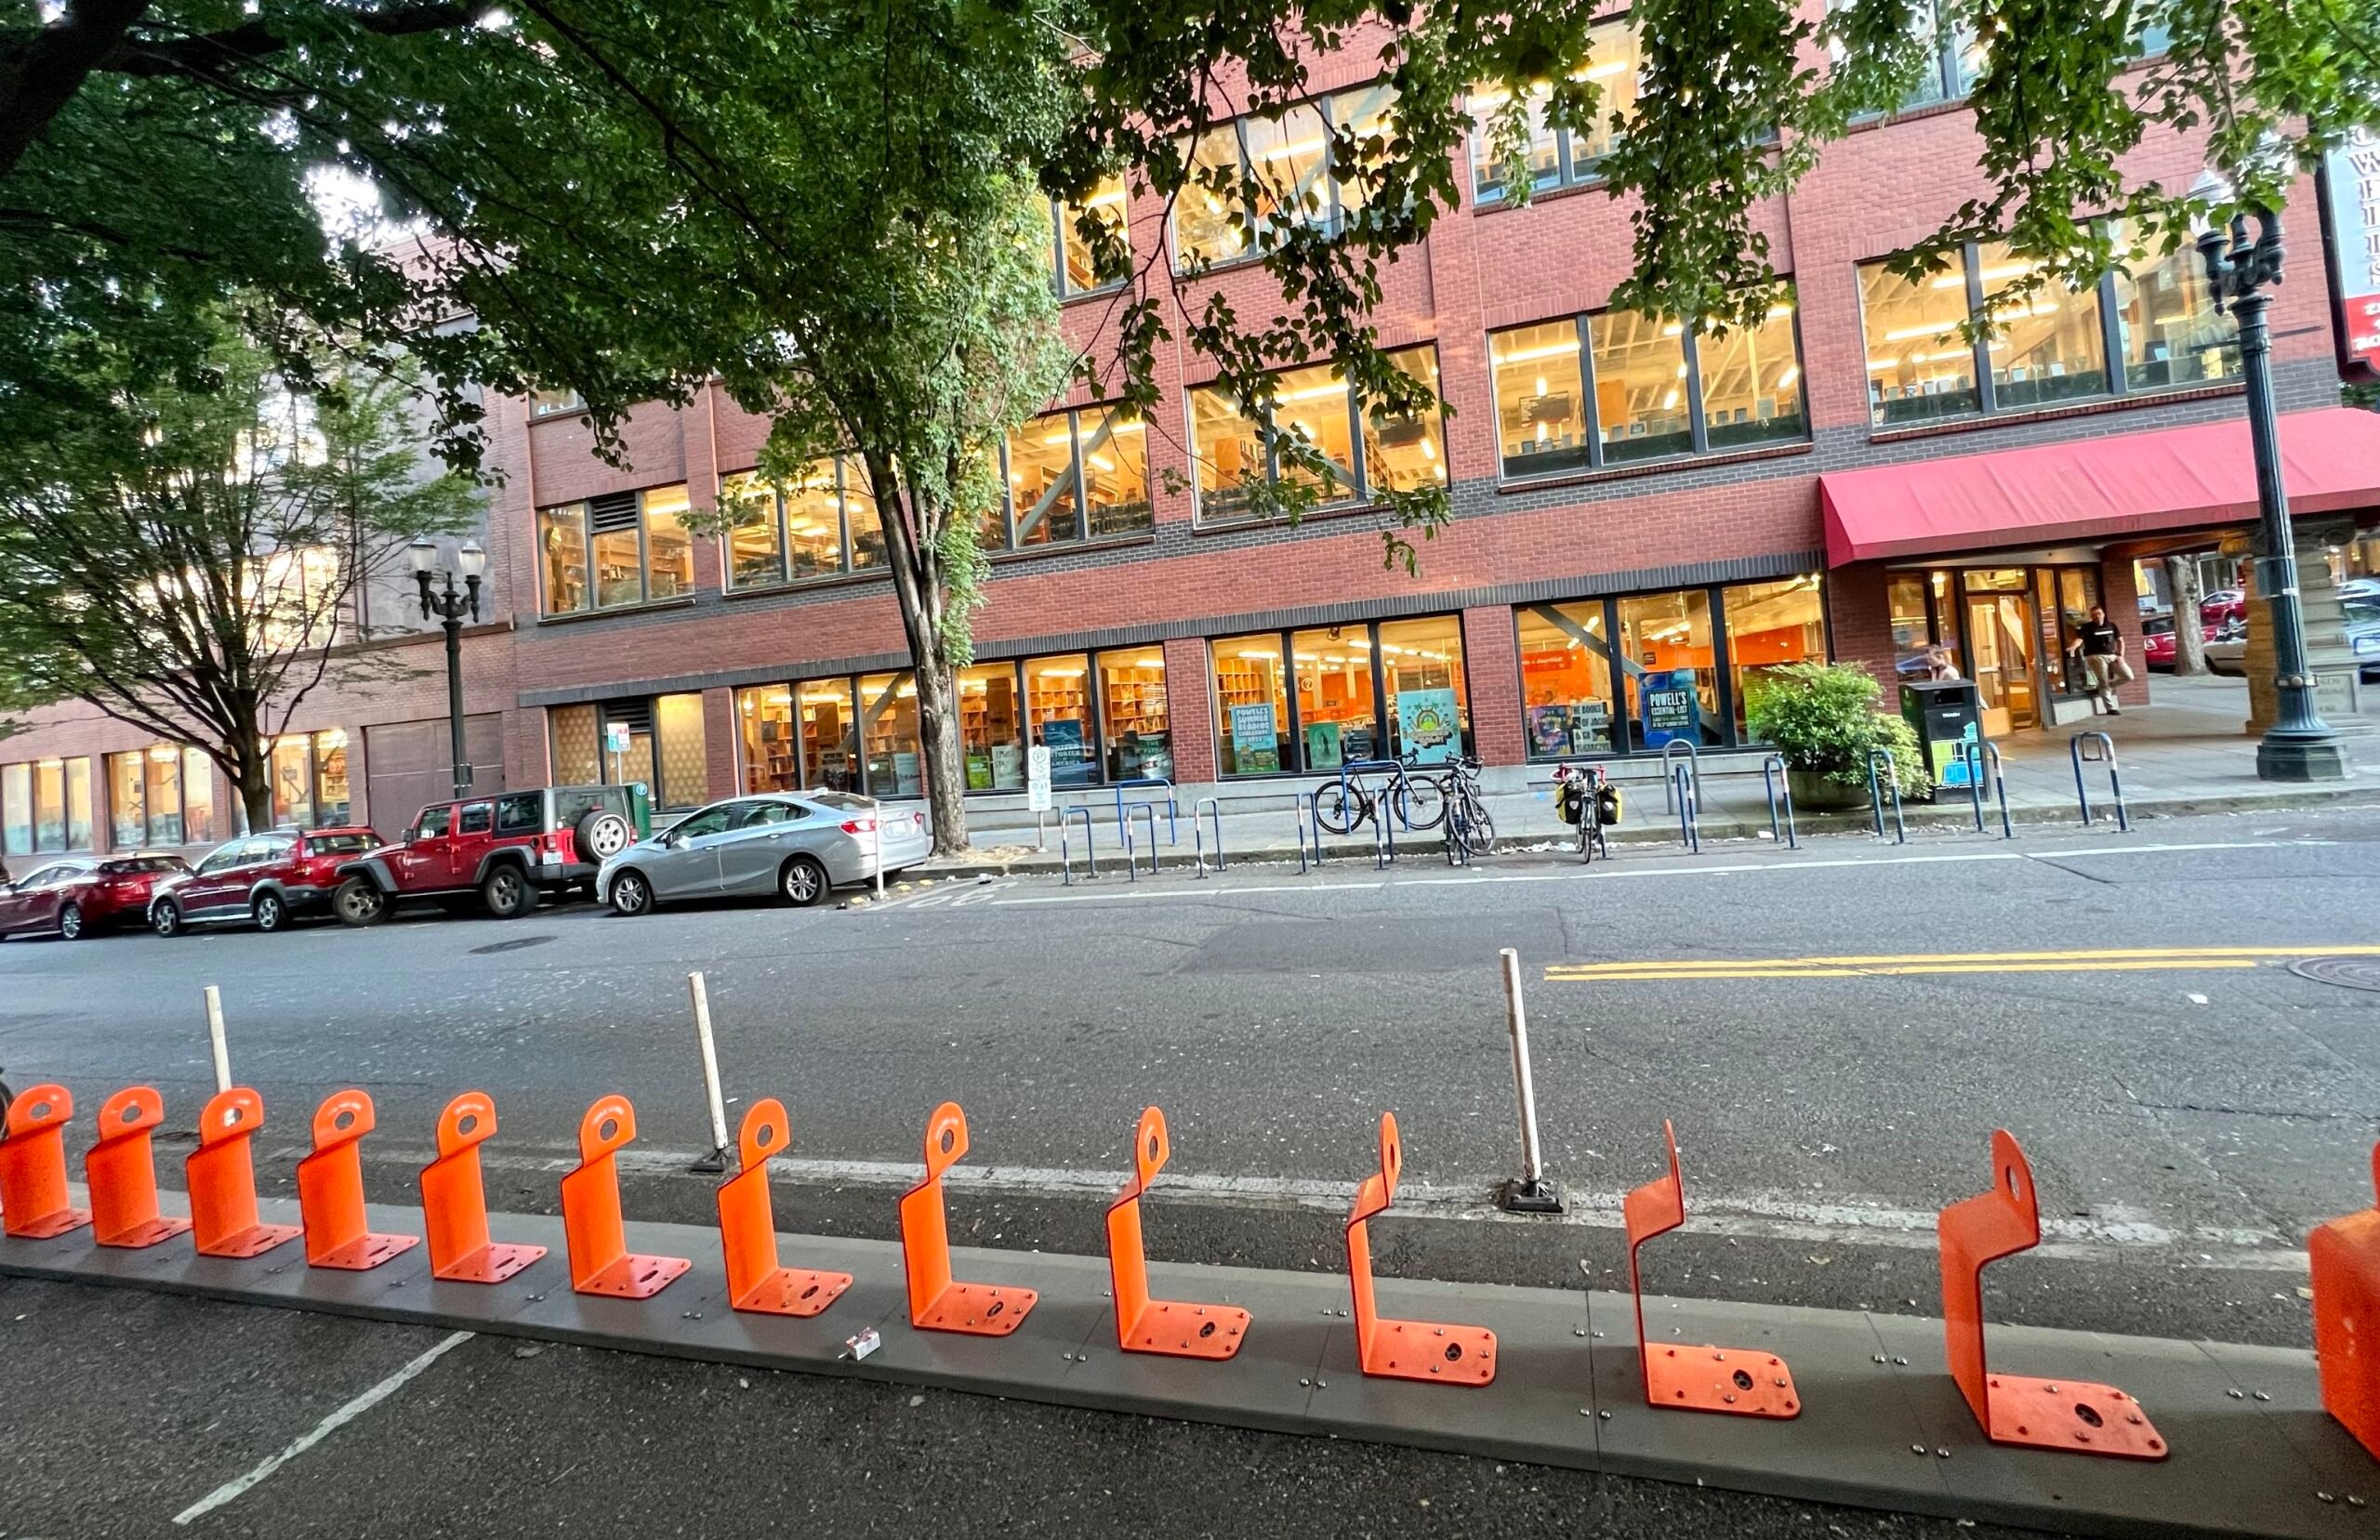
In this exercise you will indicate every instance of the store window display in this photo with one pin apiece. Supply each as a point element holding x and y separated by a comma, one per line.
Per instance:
<point>1338,718</point>
<point>1057,701</point>
<point>1566,679</point>
<point>1771,624</point>
<point>765,718</point>
<point>1251,705</point>
<point>1429,710</point>
<point>1666,653</point>
<point>991,727</point>
<point>1136,727</point>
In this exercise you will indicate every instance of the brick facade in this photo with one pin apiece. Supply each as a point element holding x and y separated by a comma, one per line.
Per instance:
<point>1722,518</point>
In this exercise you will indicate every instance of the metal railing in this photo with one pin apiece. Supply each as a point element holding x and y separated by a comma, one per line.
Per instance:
<point>1693,757</point>
<point>1212,810</point>
<point>1172,809</point>
<point>1876,795</point>
<point>1773,780</point>
<point>1689,812</point>
<point>1067,845</point>
<point>1388,793</point>
<point>1309,831</point>
<point>1383,840</point>
<point>1131,846</point>
<point>2115,777</point>
<point>1974,754</point>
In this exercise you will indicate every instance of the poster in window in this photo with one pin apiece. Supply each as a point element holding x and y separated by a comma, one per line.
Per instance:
<point>1673,709</point>
<point>1069,751</point>
<point>1324,749</point>
<point>1256,741</point>
<point>1428,725</point>
<point>1548,730</point>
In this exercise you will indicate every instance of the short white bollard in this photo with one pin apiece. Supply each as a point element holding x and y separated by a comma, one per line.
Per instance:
<point>215,1039</point>
<point>717,1160</point>
<point>1531,1192</point>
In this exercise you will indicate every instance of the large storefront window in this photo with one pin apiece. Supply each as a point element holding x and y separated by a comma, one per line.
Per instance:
<point>1136,729</point>
<point>2040,350</point>
<point>992,726</point>
<point>1317,407</point>
<point>1566,679</point>
<point>1604,389</point>
<point>764,718</point>
<point>1332,695</point>
<point>308,772</point>
<point>1771,624</point>
<point>1057,701</point>
<point>830,735</point>
<point>45,806</point>
<point>889,707</point>
<point>1665,644</point>
<point>623,548</point>
<point>795,531</point>
<point>657,741</point>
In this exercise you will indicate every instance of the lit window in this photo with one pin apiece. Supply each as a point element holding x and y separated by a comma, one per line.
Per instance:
<point>1115,470</point>
<point>1313,406</point>
<point>45,806</point>
<point>636,544</point>
<point>1752,380</point>
<point>1563,157</point>
<point>1078,263</point>
<point>1919,366</point>
<point>1041,485</point>
<point>548,404</point>
<point>1406,452</point>
<point>1290,161</point>
<point>2170,332</point>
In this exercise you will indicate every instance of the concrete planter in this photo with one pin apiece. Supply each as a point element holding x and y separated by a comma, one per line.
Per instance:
<point>1814,793</point>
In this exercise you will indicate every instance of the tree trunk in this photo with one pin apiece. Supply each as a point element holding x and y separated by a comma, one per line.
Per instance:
<point>249,763</point>
<point>2190,632</point>
<point>917,584</point>
<point>945,755</point>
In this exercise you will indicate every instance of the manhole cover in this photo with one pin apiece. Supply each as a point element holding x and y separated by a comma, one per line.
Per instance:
<point>517,942</point>
<point>2346,972</point>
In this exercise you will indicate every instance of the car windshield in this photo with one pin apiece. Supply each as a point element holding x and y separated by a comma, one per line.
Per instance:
<point>2156,625</point>
<point>337,845</point>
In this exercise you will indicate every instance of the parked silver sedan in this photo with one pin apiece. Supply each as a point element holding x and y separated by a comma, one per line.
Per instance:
<point>798,846</point>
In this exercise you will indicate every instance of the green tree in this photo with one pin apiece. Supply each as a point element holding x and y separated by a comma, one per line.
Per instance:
<point>183,551</point>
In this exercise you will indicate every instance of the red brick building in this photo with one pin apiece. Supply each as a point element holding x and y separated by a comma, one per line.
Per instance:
<point>1643,522</point>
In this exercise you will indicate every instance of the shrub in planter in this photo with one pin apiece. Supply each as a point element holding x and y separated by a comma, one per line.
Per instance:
<point>1824,717</point>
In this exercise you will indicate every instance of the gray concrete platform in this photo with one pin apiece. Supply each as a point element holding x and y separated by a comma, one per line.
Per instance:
<point>2253,1452</point>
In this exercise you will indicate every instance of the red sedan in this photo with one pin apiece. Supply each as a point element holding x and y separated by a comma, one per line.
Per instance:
<point>73,897</point>
<point>2157,645</point>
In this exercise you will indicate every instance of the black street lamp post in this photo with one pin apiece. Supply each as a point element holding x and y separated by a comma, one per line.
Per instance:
<point>449,608</point>
<point>2299,746</point>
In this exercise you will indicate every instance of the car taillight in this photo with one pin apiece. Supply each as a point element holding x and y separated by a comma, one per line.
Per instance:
<point>565,847</point>
<point>860,826</point>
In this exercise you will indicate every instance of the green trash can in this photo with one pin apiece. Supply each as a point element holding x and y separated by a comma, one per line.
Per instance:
<point>641,809</point>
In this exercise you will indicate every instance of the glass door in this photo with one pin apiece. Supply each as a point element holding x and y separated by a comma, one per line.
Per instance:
<point>2001,646</point>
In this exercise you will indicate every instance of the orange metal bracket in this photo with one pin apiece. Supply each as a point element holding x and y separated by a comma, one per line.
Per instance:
<point>935,1303</point>
<point>121,1171</point>
<point>599,1260</point>
<point>747,1229</point>
<point>2346,1257</point>
<point>1404,1350</point>
<point>1145,1326</point>
<point>1741,1381</point>
<point>330,1189</point>
<point>33,1166</point>
<point>2040,1413</point>
<point>454,1200</point>
<point>222,1176</point>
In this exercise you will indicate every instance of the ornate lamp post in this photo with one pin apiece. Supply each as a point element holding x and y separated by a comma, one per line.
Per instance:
<point>449,608</point>
<point>2299,746</point>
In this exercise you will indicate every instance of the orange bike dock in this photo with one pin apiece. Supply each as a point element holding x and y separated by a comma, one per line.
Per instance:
<point>1881,1423</point>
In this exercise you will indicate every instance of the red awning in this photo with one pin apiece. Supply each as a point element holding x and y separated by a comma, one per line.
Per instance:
<point>2096,489</point>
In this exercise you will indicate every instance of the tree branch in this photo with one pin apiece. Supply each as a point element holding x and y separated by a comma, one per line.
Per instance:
<point>45,77</point>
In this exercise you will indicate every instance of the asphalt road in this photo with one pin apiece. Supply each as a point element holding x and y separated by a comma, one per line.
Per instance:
<point>2188,1117</point>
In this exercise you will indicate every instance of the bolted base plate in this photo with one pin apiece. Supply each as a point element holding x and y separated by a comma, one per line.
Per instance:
<point>255,1241</point>
<point>491,1264</point>
<point>364,1253</point>
<point>144,1235</point>
<point>1738,1381</point>
<point>50,1226</point>
<point>2087,1419</point>
<point>979,1309</point>
<point>1517,1195</point>
<point>1426,1351</point>
<point>1188,1331</point>
<point>794,1291</point>
<point>634,1277</point>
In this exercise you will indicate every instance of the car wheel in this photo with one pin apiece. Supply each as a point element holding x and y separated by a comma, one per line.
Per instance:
<point>357,902</point>
<point>166,918</point>
<point>508,893</point>
<point>602,835</point>
<point>69,922</point>
<point>631,895</point>
<point>803,882</point>
<point>268,913</point>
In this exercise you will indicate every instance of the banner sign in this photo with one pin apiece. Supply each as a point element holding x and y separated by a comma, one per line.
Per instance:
<point>2352,199</point>
<point>1428,725</point>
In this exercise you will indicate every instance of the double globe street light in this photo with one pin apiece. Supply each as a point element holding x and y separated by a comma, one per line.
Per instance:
<point>449,608</point>
<point>2299,746</point>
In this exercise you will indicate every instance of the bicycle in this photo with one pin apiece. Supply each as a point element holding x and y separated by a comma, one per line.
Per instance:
<point>1579,799</point>
<point>1471,830</point>
<point>1342,803</point>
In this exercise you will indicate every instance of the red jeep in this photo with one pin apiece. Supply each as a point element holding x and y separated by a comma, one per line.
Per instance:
<point>505,850</point>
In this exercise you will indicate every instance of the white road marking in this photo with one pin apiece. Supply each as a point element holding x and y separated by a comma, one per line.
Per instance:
<point>323,1429</point>
<point>2123,1233</point>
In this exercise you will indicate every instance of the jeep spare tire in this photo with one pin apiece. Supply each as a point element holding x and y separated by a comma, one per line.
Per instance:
<point>603,834</point>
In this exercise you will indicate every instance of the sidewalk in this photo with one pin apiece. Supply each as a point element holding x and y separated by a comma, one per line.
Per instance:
<point>2185,752</point>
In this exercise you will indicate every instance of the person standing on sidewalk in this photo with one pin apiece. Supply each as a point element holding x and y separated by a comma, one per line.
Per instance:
<point>2101,646</point>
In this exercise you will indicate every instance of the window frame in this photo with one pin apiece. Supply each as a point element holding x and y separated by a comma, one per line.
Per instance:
<point>1569,171</point>
<point>1059,209</point>
<point>1292,749</point>
<point>591,601</point>
<point>64,766</point>
<point>1358,497</point>
<point>182,760</point>
<point>1333,220</point>
<point>778,511</point>
<point>1697,413</point>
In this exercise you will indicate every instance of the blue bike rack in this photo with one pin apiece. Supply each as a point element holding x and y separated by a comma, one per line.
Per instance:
<point>1972,755</point>
<point>1359,767</point>
<point>1689,812</point>
<point>1172,809</point>
<point>1066,849</point>
<point>1309,831</point>
<point>1773,782</point>
<point>1213,811</point>
<point>2115,777</point>
<point>1876,798</point>
<point>1693,757</point>
<point>1131,846</point>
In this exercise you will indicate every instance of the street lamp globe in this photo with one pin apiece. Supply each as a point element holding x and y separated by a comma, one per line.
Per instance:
<point>422,555</point>
<point>471,560</point>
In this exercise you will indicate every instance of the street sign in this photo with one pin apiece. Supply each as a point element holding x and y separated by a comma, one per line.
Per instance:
<point>615,737</point>
<point>1036,778</point>
<point>2350,197</point>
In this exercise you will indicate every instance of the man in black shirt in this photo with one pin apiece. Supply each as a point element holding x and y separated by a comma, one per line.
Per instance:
<point>2101,646</point>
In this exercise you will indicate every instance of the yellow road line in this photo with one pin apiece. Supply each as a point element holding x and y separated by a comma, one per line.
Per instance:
<point>1988,960</point>
<point>2164,965</point>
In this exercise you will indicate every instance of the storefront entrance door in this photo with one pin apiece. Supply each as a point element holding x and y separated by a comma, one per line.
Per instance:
<point>2000,642</point>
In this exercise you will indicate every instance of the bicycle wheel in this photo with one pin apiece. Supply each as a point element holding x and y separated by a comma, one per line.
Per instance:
<point>1421,803</point>
<point>1483,828</point>
<point>1339,806</point>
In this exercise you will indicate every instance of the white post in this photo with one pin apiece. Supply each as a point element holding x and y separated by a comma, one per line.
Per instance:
<point>215,1039</point>
<point>880,851</point>
<point>710,1064</point>
<point>1532,1193</point>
